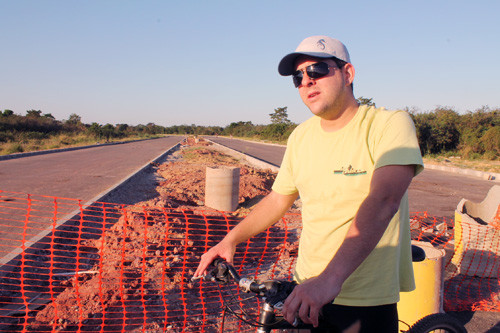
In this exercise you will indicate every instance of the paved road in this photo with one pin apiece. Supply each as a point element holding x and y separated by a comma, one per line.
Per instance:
<point>434,191</point>
<point>83,173</point>
<point>270,153</point>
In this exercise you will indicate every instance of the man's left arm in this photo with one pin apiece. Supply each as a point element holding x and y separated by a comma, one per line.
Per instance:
<point>388,185</point>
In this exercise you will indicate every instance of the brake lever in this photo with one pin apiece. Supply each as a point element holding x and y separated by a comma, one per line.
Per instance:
<point>217,271</point>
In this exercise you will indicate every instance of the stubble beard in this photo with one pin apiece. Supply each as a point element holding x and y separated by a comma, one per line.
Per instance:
<point>329,110</point>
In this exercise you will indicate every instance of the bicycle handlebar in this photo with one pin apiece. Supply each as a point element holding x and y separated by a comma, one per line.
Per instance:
<point>274,291</point>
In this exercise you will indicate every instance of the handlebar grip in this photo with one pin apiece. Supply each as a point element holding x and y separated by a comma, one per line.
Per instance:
<point>221,271</point>
<point>278,291</point>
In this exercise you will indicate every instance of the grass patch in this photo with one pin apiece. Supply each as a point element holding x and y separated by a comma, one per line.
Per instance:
<point>12,148</point>
<point>60,141</point>
<point>457,162</point>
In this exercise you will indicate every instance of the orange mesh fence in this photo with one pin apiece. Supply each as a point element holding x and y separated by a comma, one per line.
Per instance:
<point>114,268</point>
<point>471,263</point>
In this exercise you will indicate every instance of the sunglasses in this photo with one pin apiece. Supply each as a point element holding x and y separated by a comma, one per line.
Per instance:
<point>314,71</point>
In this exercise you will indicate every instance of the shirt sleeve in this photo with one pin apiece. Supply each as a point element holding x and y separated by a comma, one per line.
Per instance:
<point>397,143</point>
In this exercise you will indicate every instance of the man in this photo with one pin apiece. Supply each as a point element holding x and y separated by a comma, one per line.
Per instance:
<point>352,166</point>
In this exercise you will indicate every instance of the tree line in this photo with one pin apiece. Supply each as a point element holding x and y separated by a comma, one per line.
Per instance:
<point>37,130</point>
<point>475,134</point>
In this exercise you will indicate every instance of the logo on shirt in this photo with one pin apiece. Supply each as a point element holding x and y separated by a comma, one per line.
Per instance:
<point>349,171</point>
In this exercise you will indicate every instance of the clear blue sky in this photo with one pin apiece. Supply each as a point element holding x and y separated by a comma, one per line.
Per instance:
<point>215,62</point>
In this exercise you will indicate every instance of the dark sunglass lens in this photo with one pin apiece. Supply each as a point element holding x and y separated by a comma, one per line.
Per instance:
<point>297,79</point>
<point>318,70</point>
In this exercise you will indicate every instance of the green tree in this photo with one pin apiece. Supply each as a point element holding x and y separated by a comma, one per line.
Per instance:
<point>365,101</point>
<point>423,128</point>
<point>280,116</point>
<point>108,131</point>
<point>74,119</point>
<point>445,130</point>
<point>7,113</point>
<point>240,128</point>
<point>96,130</point>
<point>152,128</point>
<point>491,143</point>
<point>473,127</point>
<point>34,113</point>
<point>122,128</point>
<point>278,132</point>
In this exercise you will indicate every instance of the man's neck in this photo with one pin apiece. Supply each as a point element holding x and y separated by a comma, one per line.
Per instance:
<point>341,120</point>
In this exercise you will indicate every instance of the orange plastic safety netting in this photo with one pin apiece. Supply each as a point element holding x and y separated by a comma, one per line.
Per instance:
<point>115,268</point>
<point>471,262</point>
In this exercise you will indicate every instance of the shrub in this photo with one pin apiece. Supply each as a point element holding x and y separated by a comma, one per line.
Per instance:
<point>14,148</point>
<point>491,141</point>
<point>4,137</point>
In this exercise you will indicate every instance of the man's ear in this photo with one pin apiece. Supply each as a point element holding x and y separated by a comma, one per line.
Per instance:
<point>349,73</point>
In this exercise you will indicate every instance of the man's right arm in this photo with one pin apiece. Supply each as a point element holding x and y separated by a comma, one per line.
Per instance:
<point>268,211</point>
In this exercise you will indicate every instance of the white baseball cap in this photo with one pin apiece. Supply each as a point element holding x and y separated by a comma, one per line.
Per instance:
<point>314,46</point>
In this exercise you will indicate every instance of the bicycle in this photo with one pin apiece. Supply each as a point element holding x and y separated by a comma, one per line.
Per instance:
<point>274,292</point>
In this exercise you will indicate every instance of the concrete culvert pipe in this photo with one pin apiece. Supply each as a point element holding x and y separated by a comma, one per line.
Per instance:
<point>222,188</point>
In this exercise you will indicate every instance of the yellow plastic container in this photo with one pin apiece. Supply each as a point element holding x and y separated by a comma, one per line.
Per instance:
<point>459,244</point>
<point>427,298</point>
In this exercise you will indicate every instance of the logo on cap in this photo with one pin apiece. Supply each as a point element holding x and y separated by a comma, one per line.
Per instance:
<point>321,44</point>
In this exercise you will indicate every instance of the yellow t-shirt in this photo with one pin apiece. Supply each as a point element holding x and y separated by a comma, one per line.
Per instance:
<point>332,173</point>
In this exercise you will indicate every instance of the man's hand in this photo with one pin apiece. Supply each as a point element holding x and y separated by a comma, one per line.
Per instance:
<point>223,250</point>
<point>307,299</point>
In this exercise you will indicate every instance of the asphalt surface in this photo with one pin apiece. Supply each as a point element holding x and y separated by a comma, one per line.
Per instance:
<point>80,174</point>
<point>266,152</point>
